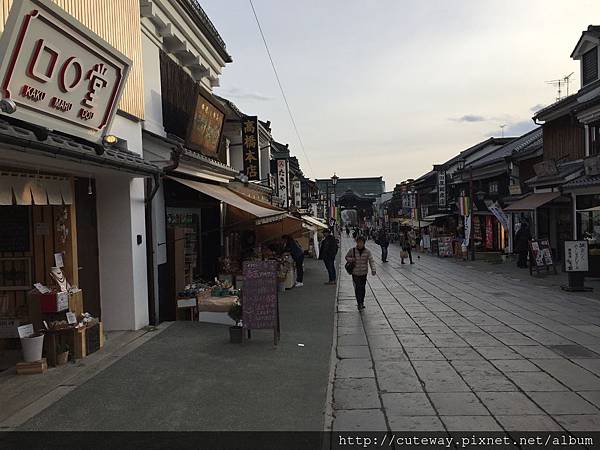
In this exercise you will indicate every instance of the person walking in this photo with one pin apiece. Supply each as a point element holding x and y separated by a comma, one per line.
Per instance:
<point>361,257</point>
<point>292,246</point>
<point>405,247</point>
<point>327,252</point>
<point>383,241</point>
<point>522,238</point>
<point>347,231</point>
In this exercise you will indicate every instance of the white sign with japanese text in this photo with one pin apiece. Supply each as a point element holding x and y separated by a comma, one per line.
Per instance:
<point>441,188</point>
<point>282,181</point>
<point>576,256</point>
<point>60,74</point>
<point>297,193</point>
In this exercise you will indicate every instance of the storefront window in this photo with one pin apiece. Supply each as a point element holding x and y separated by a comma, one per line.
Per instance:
<point>588,218</point>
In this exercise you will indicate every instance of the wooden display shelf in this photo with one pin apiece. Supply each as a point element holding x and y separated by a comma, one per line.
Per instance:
<point>76,338</point>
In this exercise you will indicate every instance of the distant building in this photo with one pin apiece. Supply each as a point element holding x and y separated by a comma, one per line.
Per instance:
<point>371,187</point>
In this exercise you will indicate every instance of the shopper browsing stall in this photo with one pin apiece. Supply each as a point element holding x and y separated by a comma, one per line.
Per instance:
<point>327,252</point>
<point>297,253</point>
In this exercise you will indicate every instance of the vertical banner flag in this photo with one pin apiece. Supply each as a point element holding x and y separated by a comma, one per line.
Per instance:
<point>497,211</point>
<point>464,205</point>
<point>467,229</point>
<point>489,233</point>
<point>250,147</point>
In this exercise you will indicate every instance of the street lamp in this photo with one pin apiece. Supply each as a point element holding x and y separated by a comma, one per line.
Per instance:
<point>334,180</point>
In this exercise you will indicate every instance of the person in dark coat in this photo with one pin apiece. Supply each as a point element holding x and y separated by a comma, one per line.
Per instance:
<point>522,238</point>
<point>405,246</point>
<point>383,241</point>
<point>327,252</point>
<point>347,231</point>
<point>297,253</point>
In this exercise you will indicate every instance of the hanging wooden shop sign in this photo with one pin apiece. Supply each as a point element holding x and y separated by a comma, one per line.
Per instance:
<point>250,147</point>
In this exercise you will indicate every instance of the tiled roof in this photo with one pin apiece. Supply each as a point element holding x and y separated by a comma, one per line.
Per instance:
<point>584,181</point>
<point>529,141</point>
<point>564,170</point>
<point>232,106</point>
<point>69,148</point>
<point>205,24</point>
<point>213,162</point>
<point>469,151</point>
<point>566,101</point>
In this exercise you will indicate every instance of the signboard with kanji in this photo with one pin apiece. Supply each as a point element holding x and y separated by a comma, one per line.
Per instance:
<point>204,131</point>
<point>59,74</point>
<point>282,181</point>
<point>442,188</point>
<point>250,148</point>
<point>576,256</point>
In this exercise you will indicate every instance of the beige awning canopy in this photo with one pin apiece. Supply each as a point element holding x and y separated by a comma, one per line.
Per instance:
<point>263,214</point>
<point>532,201</point>
<point>310,220</point>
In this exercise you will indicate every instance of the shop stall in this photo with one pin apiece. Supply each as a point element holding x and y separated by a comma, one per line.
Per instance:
<point>39,274</point>
<point>248,230</point>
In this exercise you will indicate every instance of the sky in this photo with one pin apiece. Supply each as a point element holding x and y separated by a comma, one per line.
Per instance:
<point>391,87</point>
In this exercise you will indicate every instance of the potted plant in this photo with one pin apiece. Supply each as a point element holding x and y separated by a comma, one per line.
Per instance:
<point>62,354</point>
<point>235,312</point>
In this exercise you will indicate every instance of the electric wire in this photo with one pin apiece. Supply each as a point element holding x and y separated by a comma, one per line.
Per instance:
<point>289,109</point>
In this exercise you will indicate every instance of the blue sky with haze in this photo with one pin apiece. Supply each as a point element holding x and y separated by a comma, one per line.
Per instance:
<point>390,87</point>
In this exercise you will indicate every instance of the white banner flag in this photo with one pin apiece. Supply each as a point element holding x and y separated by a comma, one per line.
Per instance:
<point>467,229</point>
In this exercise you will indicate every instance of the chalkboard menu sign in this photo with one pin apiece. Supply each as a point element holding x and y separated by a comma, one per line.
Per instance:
<point>14,229</point>
<point>542,255</point>
<point>260,307</point>
<point>445,246</point>
<point>576,256</point>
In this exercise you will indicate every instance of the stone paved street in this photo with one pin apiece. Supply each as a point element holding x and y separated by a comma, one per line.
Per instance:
<point>443,347</point>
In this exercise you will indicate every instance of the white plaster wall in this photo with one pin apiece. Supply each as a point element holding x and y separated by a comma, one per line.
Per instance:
<point>265,167</point>
<point>115,252</point>
<point>140,273</point>
<point>130,131</point>
<point>237,157</point>
<point>123,283</point>
<point>152,90</point>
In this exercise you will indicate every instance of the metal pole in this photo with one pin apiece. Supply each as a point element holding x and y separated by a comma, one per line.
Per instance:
<point>327,202</point>
<point>471,230</point>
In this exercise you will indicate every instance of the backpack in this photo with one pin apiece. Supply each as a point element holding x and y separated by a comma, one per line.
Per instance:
<point>351,264</point>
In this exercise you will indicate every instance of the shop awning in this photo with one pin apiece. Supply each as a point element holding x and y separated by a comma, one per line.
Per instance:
<point>414,223</point>
<point>263,214</point>
<point>288,225</point>
<point>310,220</point>
<point>532,201</point>
<point>432,217</point>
